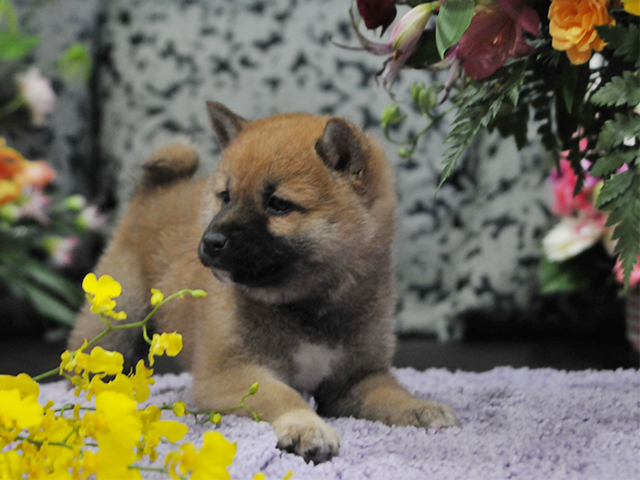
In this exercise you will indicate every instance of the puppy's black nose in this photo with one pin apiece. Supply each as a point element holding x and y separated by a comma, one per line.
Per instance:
<point>214,242</point>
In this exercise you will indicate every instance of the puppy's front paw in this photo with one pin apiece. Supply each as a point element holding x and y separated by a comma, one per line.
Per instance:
<point>422,413</point>
<point>304,433</point>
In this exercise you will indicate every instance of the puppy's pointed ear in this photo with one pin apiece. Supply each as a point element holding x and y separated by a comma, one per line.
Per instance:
<point>226,124</point>
<point>340,148</point>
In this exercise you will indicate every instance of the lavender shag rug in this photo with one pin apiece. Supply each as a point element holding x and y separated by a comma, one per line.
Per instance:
<point>515,423</point>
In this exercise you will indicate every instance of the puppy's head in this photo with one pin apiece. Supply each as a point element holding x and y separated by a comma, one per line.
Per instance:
<point>298,206</point>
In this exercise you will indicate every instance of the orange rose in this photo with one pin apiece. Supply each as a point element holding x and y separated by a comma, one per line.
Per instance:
<point>11,161</point>
<point>572,25</point>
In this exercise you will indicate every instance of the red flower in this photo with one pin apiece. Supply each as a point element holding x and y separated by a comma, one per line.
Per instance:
<point>495,34</point>
<point>377,13</point>
<point>564,183</point>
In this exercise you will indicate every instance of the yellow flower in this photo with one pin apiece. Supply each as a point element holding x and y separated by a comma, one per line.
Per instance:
<point>19,412</point>
<point>113,460</point>
<point>211,461</point>
<point>118,412</point>
<point>632,7</point>
<point>22,382</point>
<point>100,292</point>
<point>572,27</point>
<point>134,386</point>
<point>179,408</point>
<point>171,343</point>
<point>10,465</point>
<point>104,361</point>
<point>172,431</point>
<point>141,381</point>
<point>156,297</point>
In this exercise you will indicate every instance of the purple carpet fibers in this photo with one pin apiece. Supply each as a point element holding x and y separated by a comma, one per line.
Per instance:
<point>515,424</point>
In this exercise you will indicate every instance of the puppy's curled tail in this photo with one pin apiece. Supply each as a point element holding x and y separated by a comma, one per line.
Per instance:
<point>169,164</point>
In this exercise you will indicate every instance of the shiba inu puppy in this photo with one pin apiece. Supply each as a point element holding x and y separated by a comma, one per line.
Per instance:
<point>291,238</point>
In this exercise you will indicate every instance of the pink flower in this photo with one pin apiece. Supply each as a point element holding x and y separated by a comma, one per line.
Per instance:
<point>377,13</point>
<point>60,249</point>
<point>494,35</point>
<point>37,93</point>
<point>91,219</point>
<point>563,184</point>
<point>35,206</point>
<point>403,40</point>
<point>635,273</point>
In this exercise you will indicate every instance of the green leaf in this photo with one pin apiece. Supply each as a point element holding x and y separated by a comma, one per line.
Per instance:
<point>617,129</point>
<point>453,20</point>
<point>624,90</point>
<point>610,163</point>
<point>614,187</point>
<point>556,277</point>
<point>391,115</point>
<point>76,62</point>
<point>49,306</point>
<point>51,280</point>
<point>480,104</point>
<point>14,45</point>
<point>624,40</point>
<point>626,218</point>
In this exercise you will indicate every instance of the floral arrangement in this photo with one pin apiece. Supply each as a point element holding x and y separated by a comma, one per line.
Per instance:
<point>39,233</point>
<point>569,65</point>
<point>581,226</point>
<point>107,438</point>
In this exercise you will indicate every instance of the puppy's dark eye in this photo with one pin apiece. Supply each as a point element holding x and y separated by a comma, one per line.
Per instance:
<point>278,206</point>
<point>224,197</point>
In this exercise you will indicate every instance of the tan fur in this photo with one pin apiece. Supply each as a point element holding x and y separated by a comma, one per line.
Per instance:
<point>242,334</point>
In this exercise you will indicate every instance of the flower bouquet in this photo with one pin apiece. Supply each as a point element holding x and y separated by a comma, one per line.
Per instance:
<point>570,66</point>
<point>39,229</point>
<point>39,232</point>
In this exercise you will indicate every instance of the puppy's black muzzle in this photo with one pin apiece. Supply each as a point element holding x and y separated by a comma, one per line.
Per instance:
<point>212,245</point>
<point>248,252</point>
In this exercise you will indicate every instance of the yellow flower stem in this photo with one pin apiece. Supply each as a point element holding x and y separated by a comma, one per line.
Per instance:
<point>149,469</point>
<point>145,335</point>
<point>51,372</point>
<point>66,406</point>
<point>111,327</point>
<point>256,416</point>
<point>195,413</point>
<point>40,443</point>
<point>75,429</point>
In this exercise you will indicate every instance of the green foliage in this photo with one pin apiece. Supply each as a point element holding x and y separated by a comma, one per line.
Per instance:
<point>15,45</point>
<point>50,294</point>
<point>76,62</point>
<point>607,164</point>
<point>614,187</point>
<point>617,129</point>
<point>621,90</point>
<point>625,216</point>
<point>560,277</point>
<point>624,40</point>
<point>453,20</point>
<point>391,115</point>
<point>479,105</point>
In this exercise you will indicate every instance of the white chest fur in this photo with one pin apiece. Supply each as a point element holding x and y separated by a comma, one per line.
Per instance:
<point>313,363</point>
